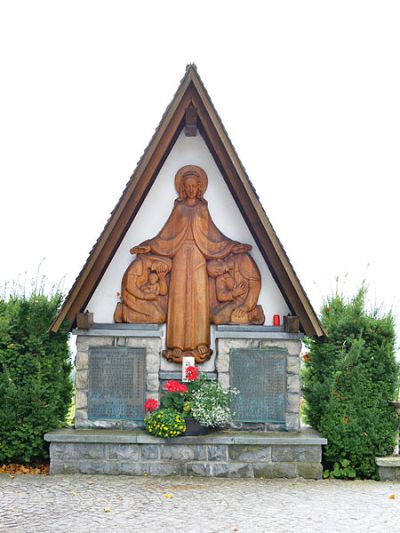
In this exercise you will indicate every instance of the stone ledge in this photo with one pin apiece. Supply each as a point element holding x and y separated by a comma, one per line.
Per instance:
<point>305,437</point>
<point>389,467</point>
<point>390,461</point>
<point>121,330</point>
<point>262,333</point>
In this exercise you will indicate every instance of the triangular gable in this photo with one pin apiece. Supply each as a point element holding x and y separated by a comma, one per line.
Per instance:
<point>191,94</point>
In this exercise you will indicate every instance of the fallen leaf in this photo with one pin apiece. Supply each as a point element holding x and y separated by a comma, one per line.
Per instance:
<point>90,482</point>
<point>392,497</point>
<point>74,493</point>
<point>168,495</point>
<point>107,510</point>
<point>10,476</point>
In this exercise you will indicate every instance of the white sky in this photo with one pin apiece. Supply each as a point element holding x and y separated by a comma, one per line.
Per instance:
<point>309,92</point>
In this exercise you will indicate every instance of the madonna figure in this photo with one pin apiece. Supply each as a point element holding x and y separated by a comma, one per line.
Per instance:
<point>189,238</point>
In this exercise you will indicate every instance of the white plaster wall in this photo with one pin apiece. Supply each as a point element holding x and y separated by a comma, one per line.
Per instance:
<point>154,213</point>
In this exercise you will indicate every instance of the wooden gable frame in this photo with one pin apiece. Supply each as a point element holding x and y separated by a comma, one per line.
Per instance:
<point>191,93</point>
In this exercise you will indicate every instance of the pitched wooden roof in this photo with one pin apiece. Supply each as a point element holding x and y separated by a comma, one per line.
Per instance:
<point>191,93</point>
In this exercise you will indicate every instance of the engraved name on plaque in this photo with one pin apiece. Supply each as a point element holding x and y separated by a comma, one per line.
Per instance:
<point>260,376</point>
<point>116,383</point>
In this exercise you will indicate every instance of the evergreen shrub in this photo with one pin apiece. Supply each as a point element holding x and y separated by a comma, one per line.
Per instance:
<point>35,383</point>
<point>349,379</point>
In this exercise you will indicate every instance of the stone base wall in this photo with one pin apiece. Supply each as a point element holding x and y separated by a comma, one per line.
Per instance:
<point>223,454</point>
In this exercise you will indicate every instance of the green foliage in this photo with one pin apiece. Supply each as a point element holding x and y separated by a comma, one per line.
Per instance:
<point>349,380</point>
<point>341,470</point>
<point>165,423</point>
<point>173,400</point>
<point>35,384</point>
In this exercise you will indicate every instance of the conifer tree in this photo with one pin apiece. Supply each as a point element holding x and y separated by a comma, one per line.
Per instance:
<point>350,378</point>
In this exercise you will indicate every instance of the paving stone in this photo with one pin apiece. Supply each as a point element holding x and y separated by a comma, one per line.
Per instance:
<point>149,451</point>
<point>81,360</point>
<point>76,503</point>
<point>198,469</point>
<point>305,454</point>
<point>292,421</point>
<point>60,467</point>
<point>81,417</point>
<point>250,454</point>
<point>112,468</point>
<point>85,342</point>
<point>164,469</point>
<point>81,399</point>
<point>129,452</point>
<point>232,470</point>
<point>293,364</point>
<point>152,383</point>
<point>309,470</point>
<point>293,403</point>
<point>183,453</point>
<point>274,470</point>
<point>223,380</point>
<point>389,474</point>
<point>89,451</point>
<point>81,379</point>
<point>293,383</point>
<point>217,452</point>
<point>133,469</point>
<point>62,452</point>
<point>91,467</point>
<point>153,358</point>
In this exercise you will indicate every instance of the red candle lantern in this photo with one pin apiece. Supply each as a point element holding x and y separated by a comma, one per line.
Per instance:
<point>276,320</point>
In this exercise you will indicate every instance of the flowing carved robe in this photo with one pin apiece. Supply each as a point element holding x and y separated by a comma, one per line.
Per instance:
<point>189,237</point>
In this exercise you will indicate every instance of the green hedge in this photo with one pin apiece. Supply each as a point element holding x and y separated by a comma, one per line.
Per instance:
<point>35,383</point>
<point>350,378</point>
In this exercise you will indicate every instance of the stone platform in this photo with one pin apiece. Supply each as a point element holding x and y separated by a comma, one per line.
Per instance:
<point>389,467</point>
<point>219,454</point>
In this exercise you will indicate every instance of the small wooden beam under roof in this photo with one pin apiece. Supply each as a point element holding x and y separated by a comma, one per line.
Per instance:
<point>192,109</point>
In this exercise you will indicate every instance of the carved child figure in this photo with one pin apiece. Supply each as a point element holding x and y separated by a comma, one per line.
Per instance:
<point>152,286</point>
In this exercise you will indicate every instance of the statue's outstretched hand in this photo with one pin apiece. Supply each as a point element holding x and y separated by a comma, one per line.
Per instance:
<point>240,248</point>
<point>145,249</point>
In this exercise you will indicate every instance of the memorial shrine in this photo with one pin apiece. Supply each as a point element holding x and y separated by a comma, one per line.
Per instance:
<point>188,266</point>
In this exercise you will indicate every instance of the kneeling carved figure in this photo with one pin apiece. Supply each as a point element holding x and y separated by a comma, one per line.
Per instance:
<point>235,285</point>
<point>144,291</point>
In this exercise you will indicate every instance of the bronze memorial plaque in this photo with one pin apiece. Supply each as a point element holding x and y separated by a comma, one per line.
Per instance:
<point>116,383</point>
<point>260,376</point>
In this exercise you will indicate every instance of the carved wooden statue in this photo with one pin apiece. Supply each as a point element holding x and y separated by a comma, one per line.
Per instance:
<point>144,290</point>
<point>235,285</point>
<point>188,240</point>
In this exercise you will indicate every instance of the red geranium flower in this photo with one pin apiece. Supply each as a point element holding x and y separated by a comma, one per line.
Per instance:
<point>192,373</point>
<point>175,386</point>
<point>150,405</point>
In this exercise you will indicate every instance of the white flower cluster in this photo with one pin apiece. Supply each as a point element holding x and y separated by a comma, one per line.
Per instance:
<point>211,405</point>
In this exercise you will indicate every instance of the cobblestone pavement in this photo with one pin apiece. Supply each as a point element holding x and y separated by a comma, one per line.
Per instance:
<point>112,503</point>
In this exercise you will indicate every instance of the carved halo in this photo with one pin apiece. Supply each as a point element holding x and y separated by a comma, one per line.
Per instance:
<point>191,170</point>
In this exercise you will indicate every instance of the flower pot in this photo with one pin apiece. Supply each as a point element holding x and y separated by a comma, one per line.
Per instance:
<point>193,428</point>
